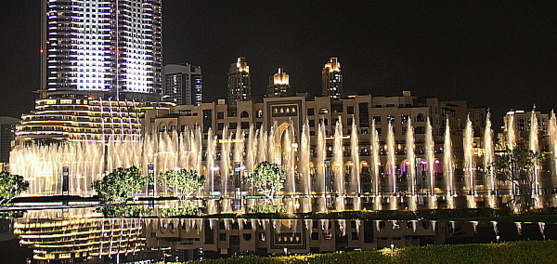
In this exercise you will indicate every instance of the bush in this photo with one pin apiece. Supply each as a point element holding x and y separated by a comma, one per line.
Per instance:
<point>267,208</point>
<point>125,211</point>
<point>10,186</point>
<point>187,208</point>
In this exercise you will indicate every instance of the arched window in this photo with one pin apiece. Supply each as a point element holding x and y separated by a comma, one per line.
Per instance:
<point>244,115</point>
<point>420,118</point>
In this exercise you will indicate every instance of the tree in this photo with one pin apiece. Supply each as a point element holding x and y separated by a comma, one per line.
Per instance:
<point>518,166</point>
<point>120,184</point>
<point>268,178</point>
<point>184,182</point>
<point>10,186</point>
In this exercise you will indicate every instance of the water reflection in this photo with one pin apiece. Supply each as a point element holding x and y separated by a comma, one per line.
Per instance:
<point>83,235</point>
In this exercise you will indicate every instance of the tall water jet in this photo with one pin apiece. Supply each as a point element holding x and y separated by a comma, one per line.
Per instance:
<point>320,180</point>
<point>469,164</point>
<point>355,187</point>
<point>430,156</point>
<point>304,168</point>
<point>251,149</point>
<point>489,179</point>
<point>263,146</point>
<point>533,145</point>
<point>510,127</point>
<point>238,147</point>
<point>448,167</point>
<point>288,156</point>
<point>376,179</point>
<point>338,167</point>
<point>391,167</point>
<point>211,154</point>
<point>411,166</point>
<point>274,145</point>
<point>225,160</point>
<point>552,130</point>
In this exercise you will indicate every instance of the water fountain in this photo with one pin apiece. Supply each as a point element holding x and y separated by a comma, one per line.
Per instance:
<point>355,181</point>
<point>448,167</point>
<point>411,166</point>
<point>391,168</point>
<point>489,174</point>
<point>338,168</point>
<point>552,131</point>
<point>430,156</point>
<point>320,173</point>
<point>469,165</point>
<point>375,162</point>
<point>533,145</point>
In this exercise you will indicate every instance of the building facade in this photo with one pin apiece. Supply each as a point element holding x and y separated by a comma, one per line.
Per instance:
<point>104,48</point>
<point>80,118</point>
<point>279,85</point>
<point>331,79</point>
<point>182,84</point>
<point>239,81</point>
<point>7,135</point>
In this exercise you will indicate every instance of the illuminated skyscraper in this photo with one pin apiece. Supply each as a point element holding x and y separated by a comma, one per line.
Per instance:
<point>109,48</point>
<point>279,85</point>
<point>239,81</point>
<point>183,84</point>
<point>331,79</point>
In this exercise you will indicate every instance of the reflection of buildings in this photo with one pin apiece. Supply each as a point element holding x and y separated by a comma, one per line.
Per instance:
<point>57,236</point>
<point>226,237</point>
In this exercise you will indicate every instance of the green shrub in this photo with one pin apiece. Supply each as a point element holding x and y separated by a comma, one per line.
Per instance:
<point>186,208</point>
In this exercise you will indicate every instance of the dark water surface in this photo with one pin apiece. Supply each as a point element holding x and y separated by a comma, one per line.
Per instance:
<point>83,235</point>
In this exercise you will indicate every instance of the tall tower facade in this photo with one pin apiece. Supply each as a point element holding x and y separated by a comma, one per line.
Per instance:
<point>104,47</point>
<point>331,79</point>
<point>182,84</point>
<point>239,81</point>
<point>279,85</point>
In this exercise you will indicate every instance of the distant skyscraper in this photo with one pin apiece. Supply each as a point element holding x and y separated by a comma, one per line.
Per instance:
<point>7,134</point>
<point>182,84</point>
<point>331,79</point>
<point>101,47</point>
<point>279,84</point>
<point>239,81</point>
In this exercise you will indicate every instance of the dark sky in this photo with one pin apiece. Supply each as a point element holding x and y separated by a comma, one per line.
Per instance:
<point>500,55</point>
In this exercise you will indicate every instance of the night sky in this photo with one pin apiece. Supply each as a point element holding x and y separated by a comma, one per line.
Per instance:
<point>498,55</point>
